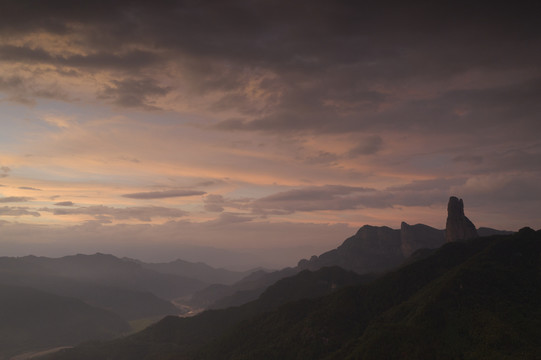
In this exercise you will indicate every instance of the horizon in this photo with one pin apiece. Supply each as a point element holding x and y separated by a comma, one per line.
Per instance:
<point>272,130</point>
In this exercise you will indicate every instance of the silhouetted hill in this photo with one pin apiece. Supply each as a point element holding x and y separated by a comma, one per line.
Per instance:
<point>468,300</point>
<point>380,248</point>
<point>129,304</point>
<point>34,320</point>
<point>371,249</point>
<point>199,271</point>
<point>484,231</point>
<point>176,335</point>
<point>105,270</point>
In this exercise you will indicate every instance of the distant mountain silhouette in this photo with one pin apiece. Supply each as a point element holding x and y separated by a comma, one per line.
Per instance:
<point>35,320</point>
<point>195,331</point>
<point>105,281</point>
<point>471,299</point>
<point>199,271</point>
<point>106,270</point>
<point>380,248</point>
<point>373,249</point>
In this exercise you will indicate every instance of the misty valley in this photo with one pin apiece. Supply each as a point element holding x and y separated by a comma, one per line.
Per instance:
<point>413,293</point>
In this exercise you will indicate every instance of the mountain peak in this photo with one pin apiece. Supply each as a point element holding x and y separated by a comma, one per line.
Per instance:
<point>458,226</point>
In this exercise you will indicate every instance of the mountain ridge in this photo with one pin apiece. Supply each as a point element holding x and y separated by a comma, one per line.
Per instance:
<point>356,321</point>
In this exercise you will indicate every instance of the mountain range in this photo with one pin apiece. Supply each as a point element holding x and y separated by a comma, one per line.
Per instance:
<point>95,287</point>
<point>473,299</point>
<point>372,250</point>
<point>136,290</point>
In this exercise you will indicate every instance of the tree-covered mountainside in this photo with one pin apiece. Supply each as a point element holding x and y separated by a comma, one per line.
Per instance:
<point>35,320</point>
<point>469,300</point>
<point>479,299</point>
<point>243,291</point>
<point>174,336</point>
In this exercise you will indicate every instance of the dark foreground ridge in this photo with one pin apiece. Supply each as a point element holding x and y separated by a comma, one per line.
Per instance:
<point>468,300</point>
<point>34,320</point>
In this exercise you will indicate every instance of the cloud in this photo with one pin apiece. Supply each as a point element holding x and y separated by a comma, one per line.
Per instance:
<point>10,199</point>
<point>214,203</point>
<point>470,159</point>
<point>313,198</point>
<point>24,89</point>
<point>503,188</point>
<point>17,211</point>
<point>138,93</point>
<point>64,203</point>
<point>230,218</point>
<point>430,184</point>
<point>368,146</point>
<point>28,188</point>
<point>100,212</point>
<point>309,66</point>
<point>4,171</point>
<point>338,198</point>
<point>128,60</point>
<point>322,158</point>
<point>163,194</point>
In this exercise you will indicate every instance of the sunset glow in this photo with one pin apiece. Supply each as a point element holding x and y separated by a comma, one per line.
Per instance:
<point>128,125</point>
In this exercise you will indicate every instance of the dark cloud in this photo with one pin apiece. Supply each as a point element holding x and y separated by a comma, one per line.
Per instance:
<point>471,159</point>
<point>28,188</point>
<point>17,211</point>
<point>328,197</point>
<point>432,184</point>
<point>163,194</point>
<point>524,159</point>
<point>10,199</point>
<point>230,218</point>
<point>24,90</point>
<point>100,212</point>
<point>214,203</point>
<point>368,146</point>
<point>123,61</point>
<point>323,65</point>
<point>334,197</point>
<point>322,158</point>
<point>134,93</point>
<point>64,203</point>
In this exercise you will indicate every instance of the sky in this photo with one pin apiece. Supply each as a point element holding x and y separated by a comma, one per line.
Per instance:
<point>261,132</point>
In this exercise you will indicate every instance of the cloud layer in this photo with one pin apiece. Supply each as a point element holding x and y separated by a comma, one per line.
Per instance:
<point>241,114</point>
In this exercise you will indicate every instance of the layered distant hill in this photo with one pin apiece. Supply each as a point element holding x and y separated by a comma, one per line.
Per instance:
<point>101,280</point>
<point>472,299</point>
<point>199,271</point>
<point>105,270</point>
<point>32,320</point>
<point>129,289</point>
<point>175,337</point>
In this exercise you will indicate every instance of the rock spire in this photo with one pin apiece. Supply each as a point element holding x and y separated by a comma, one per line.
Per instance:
<point>458,226</point>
